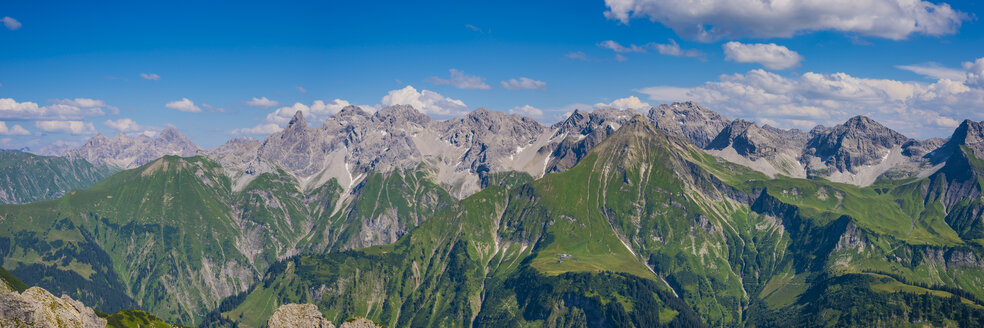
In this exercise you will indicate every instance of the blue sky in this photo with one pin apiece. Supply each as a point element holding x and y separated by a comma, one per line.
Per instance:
<point>71,69</point>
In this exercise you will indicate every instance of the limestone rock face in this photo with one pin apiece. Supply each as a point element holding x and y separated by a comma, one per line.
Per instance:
<point>125,152</point>
<point>298,316</point>
<point>36,307</point>
<point>580,132</point>
<point>360,323</point>
<point>859,141</point>
<point>688,120</point>
<point>308,316</point>
<point>969,134</point>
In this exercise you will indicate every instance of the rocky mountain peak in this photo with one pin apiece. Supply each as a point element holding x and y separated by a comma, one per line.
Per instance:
<point>125,152</point>
<point>573,123</point>
<point>397,114</point>
<point>351,110</point>
<point>121,137</point>
<point>297,122</point>
<point>859,141</point>
<point>688,120</point>
<point>969,134</point>
<point>750,140</point>
<point>860,122</point>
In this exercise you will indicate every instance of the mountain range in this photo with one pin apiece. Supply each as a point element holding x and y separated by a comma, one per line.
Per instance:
<point>678,217</point>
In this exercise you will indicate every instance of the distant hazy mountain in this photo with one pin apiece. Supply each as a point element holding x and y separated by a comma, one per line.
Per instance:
<point>125,152</point>
<point>25,177</point>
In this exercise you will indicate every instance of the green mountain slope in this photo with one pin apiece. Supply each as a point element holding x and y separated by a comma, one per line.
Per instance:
<point>25,177</point>
<point>173,238</point>
<point>649,230</point>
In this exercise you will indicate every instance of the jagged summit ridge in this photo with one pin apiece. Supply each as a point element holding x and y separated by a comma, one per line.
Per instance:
<point>353,142</point>
<point>125,152</point>
<point>689,120</point>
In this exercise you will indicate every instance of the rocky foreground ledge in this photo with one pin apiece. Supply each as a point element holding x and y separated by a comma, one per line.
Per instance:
<point>308,316</point>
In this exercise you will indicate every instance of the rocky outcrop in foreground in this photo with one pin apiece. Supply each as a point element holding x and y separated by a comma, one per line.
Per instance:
<point>298,316</point>
<point>36,307</point>
<point>307,316</point>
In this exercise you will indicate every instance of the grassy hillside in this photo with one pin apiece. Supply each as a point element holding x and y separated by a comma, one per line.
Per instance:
<point>174,238</point>
<point>648,230</point>
<point>25,177</point>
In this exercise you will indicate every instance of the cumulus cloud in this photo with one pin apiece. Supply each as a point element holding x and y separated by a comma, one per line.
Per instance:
<point>523,83</point>
<point>936,71</point>
<point>426,101</point>
<point>975,72</point>
<point>123,125</point>
<point>317,111</point>
<point>82,102</point>
<point>578,55</point>
<point>261,102</point>
<point>151,76</point>
<point>11,23</point>
<point>527,110</point>
<point>268,128</point>
<point>15,130</point>
<point>617,47</point>
<point>673,49</point>
<point>630,102</point>
<point>770,55</point>
<point>65,109</point>
<point>710,20</point>
<point>71,127</point>
<point>461,80</point>
<point>184,105</point>
<point>917,109</point>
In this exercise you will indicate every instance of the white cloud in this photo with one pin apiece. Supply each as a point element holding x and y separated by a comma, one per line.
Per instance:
<point>936,71</point>
<point>673,49</point>
<point>709,20</point>
<point>317,111</point>
<point>267,128</point>
<point>11,23</point>
<point>60,110</point>
<point>460,80</point>
<point>82,102</point>
<point>578,55</point>
<point>630,102</point>
<point>300,89</point>
<point>72,127</point>
<point>123,125</point>
<point>426,101</point>
<point>523,83</point>
<point>261,102</point>
<point>151,76</point>
<point>527,110</point>
<point>15,130</point>
<point>975,72</point>
<point>184,105</point>
<point>616,47</point>
<point>914,108</point>
<point>769,55</point>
